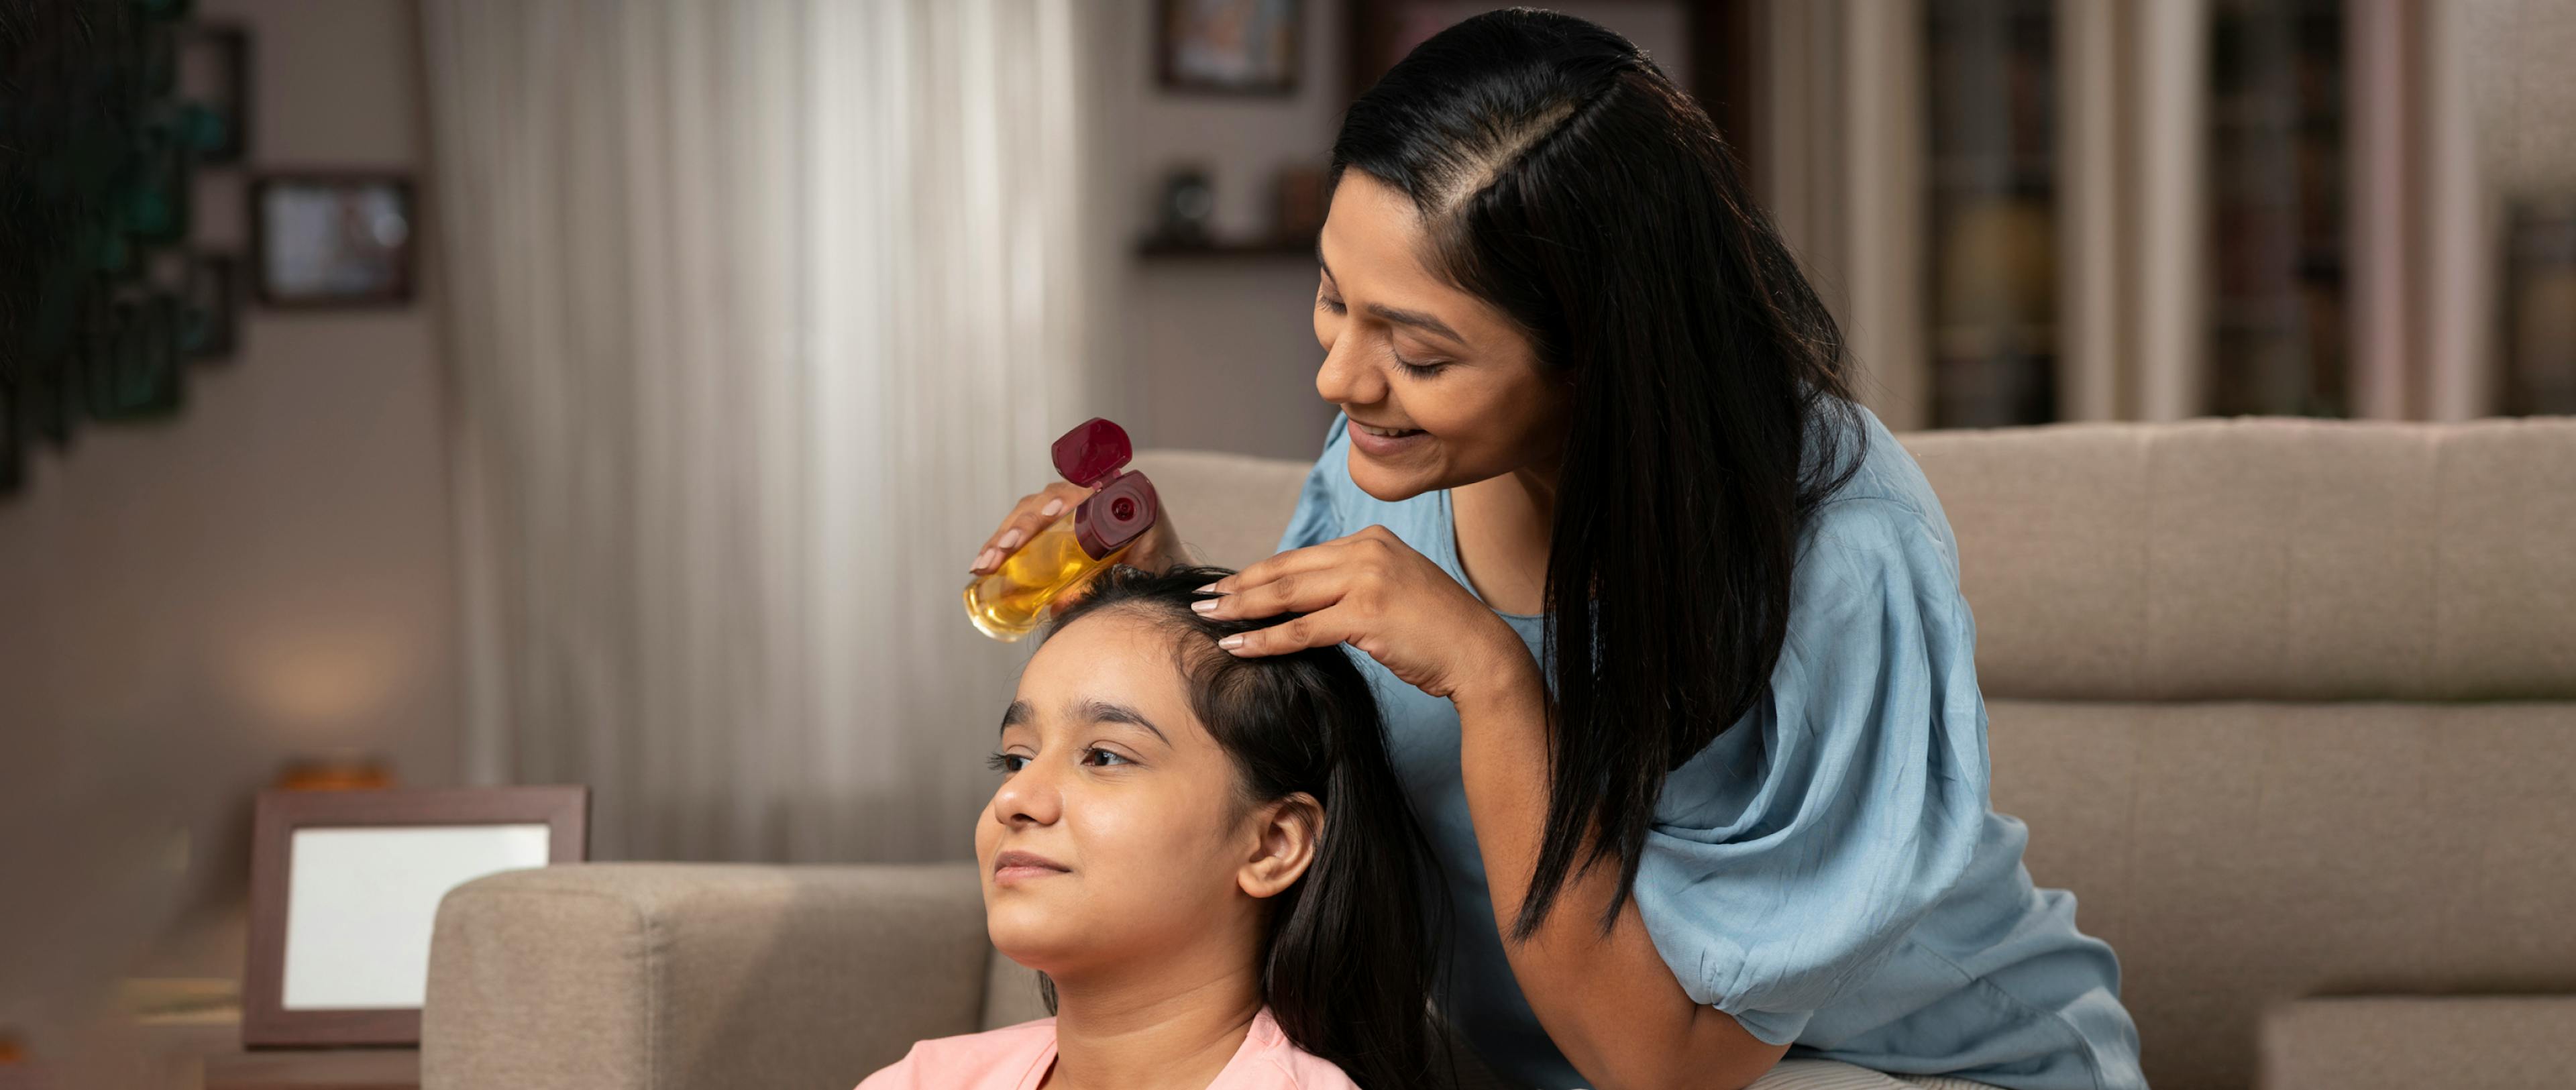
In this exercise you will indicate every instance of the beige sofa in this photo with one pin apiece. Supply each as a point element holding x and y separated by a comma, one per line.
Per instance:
<point>2291,707</point>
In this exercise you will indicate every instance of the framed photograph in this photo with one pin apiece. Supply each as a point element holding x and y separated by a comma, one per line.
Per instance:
<point>138,379</point>
<point>326,240</point>
<point>212,293</point>
<point>214,77</point>
<point>1242,47</point>
<point>345,887</point>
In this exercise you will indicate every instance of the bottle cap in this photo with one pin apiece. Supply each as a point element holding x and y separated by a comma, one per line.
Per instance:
<point>1092,452</point>
<point>1117,514</point>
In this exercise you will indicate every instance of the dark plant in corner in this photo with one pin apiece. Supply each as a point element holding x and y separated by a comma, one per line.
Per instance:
<point>98,308</point>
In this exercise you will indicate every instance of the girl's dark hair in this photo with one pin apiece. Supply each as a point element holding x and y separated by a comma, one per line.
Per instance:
<point>1349,962</point>
<point>1562,179</point>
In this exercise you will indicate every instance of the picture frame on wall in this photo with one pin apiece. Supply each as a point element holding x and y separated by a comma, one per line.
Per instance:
<point>333,239</point>
<point>1231,47</point>
<point>214,78</point>
<point>212,293</point>
<point>345,887</point>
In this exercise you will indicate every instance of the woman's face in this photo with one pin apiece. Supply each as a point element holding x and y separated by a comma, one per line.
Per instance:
<point>1442,389</point>
<point>1118,833</point>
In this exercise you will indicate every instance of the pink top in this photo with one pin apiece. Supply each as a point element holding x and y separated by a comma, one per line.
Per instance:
<point>1018,1058</point>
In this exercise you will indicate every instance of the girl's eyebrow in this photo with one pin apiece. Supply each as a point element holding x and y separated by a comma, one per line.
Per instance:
<point>1102,711</point>
<point>1017,715</point>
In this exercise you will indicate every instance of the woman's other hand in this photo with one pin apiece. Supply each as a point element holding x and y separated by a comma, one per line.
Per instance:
<point>1374,592</point>
<point>1158,550</point>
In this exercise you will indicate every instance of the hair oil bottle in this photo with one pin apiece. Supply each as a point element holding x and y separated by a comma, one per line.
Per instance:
<point>1009,603</point>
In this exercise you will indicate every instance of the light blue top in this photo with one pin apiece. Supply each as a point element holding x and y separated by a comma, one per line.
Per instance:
<point>1828,871</point>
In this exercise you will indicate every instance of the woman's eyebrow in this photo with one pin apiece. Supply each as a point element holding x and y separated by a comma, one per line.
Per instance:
<point>1018,714</point>
<point>1102,711</point>
<point>1414,318</point>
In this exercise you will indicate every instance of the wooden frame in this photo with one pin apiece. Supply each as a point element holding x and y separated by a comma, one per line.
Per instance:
<point>1167,16</point>
<point>404,273</point>
<point>266,1021</point>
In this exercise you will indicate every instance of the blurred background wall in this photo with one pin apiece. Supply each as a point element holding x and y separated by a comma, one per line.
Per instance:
<point>187,604</point>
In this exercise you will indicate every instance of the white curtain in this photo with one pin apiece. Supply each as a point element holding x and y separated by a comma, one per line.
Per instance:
<point>760,312</point>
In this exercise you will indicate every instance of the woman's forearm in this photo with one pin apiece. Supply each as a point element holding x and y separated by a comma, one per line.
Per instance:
<point>1609,1002</point>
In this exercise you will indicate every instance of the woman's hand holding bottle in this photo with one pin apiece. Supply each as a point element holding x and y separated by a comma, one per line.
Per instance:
<point>1158,550</point>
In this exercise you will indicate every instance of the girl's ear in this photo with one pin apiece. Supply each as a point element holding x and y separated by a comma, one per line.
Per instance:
<point>1287,832</point>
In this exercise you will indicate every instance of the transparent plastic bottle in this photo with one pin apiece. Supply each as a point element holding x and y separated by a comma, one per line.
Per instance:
<point>1009,603</point>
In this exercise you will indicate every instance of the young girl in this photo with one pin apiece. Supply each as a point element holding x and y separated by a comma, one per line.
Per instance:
<point>1208,858</point>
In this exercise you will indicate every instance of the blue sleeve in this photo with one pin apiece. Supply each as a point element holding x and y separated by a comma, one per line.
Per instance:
<point>1318,518</point>
<point>1793,855</point>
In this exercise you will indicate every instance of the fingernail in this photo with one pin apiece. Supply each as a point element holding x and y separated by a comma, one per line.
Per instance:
<point>985,559</point>
<point>1231,642</point>
<point>1203,605</point>
<point>1208,589</point>
<point>1053,508</point>
<point>1010,540</point>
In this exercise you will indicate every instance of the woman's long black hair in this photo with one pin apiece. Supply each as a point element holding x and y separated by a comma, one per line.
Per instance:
<point>1562,179</point>
<point>1348,967</point>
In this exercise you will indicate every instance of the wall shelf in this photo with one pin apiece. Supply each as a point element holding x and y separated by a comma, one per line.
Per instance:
<point>1164,250</point>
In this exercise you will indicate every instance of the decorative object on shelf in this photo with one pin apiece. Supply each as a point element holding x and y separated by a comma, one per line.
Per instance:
<point>333,240</point>
<point>1300,209</point>
<point>1188,204</point>
<point>214,78</point>
<point>345,886</point>
<point>1244,47</point>
<point>104,142</point>
<point>350,772</point>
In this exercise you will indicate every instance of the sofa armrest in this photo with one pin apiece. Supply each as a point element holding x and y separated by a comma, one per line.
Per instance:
<point>2500,1042</point>
<point>661,976</point>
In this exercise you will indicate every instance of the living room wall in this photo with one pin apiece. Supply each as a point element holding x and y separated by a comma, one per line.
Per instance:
<point>186,605</point>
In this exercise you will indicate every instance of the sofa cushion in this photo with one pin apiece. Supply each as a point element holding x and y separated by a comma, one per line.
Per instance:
<point>2241,855</point>
<point>2411,1043</point>
<point>2266,559</point>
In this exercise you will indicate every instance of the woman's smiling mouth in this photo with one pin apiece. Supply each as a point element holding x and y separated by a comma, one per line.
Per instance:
<point>1377,442</point>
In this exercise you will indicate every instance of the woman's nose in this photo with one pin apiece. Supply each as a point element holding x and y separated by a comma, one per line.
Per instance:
<point>1345,379</point>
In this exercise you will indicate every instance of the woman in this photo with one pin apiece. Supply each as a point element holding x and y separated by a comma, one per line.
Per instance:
<point>1208,857</point>
<point>1668,630</point>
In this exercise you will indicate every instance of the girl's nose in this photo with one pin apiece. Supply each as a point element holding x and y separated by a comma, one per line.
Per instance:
<point>1029,797</point>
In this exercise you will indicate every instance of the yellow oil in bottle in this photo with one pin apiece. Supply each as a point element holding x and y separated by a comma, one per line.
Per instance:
<point>1009,603</point>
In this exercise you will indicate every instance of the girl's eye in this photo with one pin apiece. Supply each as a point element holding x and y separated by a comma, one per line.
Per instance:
<point>1328,303</point>
<point>1105,758</point>
<point>1005,763</point>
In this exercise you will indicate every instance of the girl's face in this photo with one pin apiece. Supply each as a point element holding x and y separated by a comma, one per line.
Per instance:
<point>1118,835</point>
<point>1442,389</point>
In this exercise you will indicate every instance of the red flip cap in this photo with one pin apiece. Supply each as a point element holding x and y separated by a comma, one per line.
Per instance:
<point>1123,505</point>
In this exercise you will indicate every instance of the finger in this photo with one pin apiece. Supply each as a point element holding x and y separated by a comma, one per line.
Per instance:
<point>1032,514</point>
<point>1302,591</point>
<point>1316,557</point>
<point>1323,629</point>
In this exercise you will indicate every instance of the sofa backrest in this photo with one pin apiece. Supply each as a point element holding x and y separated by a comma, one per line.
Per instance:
<point>2289,705</point>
